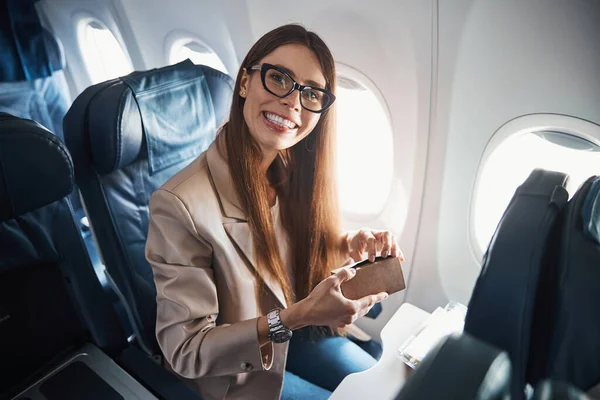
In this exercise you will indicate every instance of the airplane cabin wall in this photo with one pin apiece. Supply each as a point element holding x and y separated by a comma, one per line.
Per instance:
<point>206,20</point>
<point>145,29</point>
<point>61,16</point>
<point>498,60</point>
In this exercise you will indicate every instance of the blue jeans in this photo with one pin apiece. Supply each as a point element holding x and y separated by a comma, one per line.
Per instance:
<point>316,366</point>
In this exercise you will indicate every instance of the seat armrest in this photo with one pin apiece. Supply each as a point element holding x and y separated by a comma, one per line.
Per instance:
<point>155,378</point>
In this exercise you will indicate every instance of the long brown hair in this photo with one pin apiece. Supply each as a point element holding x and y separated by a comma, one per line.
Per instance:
<point>303,177</point>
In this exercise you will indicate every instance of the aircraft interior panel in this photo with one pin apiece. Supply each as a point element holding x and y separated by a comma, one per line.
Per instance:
<point>497,61</point>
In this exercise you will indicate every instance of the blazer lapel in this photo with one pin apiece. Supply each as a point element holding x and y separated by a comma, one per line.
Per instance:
<point>238,230</point>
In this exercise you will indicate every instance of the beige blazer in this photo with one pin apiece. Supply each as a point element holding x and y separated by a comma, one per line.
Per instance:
<point>200,249</point>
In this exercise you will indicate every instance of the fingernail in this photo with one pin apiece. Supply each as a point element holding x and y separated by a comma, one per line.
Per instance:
<point>384,254</point>
<point>385,296</point>
<point>372,258</point>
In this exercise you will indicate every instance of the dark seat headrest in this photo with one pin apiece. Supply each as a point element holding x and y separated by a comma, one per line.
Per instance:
<point>35,167</point>
<point>590,212</point>
<point>169,112</point>
<point>460,367</point>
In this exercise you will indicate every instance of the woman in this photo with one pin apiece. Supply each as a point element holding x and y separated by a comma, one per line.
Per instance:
<point>251,227</point>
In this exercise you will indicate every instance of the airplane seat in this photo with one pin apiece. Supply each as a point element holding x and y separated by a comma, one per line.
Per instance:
<point>502,306</point>
<point>48,304</point>
<point>590,212</point>
<point>127,136</point>
<point>568,305</point>
<point>58,331</point>
<point>460,367</point>
<point>44,99</point>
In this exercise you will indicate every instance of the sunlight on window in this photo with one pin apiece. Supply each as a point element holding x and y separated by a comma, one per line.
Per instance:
<point>103,56</point>
<point>365,154</point>
<point>199,54</point>
<point>508,167</point>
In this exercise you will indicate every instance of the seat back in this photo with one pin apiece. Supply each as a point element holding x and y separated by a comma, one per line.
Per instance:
<point>42,99</point>
<point>461,367</point>
<point>127,136</point>
<point>50,299</point>
<point>568,325</point>
<point>501,309</point>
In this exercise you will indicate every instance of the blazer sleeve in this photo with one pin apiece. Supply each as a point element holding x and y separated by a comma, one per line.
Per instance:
<point>187,302</point>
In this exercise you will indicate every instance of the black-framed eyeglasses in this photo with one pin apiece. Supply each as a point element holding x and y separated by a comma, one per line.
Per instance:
<point>279,83</point>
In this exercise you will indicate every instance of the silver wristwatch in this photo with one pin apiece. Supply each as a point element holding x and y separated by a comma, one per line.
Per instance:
<point>278,333</point>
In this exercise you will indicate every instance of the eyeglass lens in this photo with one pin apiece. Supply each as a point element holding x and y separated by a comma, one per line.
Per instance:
<point>280,85</point>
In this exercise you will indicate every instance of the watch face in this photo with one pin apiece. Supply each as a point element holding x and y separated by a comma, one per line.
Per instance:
<point>282,335</point>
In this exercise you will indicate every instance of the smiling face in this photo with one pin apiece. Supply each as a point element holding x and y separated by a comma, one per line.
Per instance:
<point>275,123</point>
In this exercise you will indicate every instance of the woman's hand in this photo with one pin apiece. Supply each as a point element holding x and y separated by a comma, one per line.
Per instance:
<point>327,306</point>
<point>372,241</point>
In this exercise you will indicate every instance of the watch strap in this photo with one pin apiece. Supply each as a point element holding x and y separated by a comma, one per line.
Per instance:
<point>274,322</point>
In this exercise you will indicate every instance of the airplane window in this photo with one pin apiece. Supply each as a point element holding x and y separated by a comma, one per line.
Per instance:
<point>365,146</point>
<point>511,163</point>
<point>103,56</point>
<point>197,52</point>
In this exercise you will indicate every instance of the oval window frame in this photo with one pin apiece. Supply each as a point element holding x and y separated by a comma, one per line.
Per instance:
<point>81,20</point>
<point>518,126</point>
<point>352,73</point>
<point>180,38</point>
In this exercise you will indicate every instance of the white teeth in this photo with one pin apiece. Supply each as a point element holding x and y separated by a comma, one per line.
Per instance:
<point>276,119</point>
